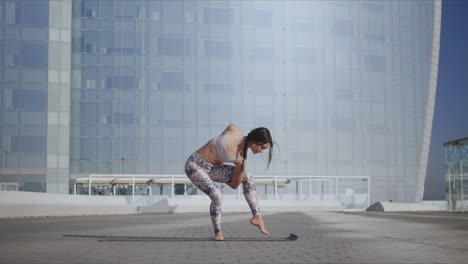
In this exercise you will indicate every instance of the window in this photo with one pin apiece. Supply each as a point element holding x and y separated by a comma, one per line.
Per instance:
<point>89,95</point>
<point>33,118</point>
<point>122,118</point>
<point>154,10</point>
<point>172,123</point>
<point>129,151</point>
<point>33,13</point>
<point>88,113</point>
<point>105,150</point>
<point>302,124</point>
<point>173,12</point>
<point>155,149</point>
<point>172,81</point>
<point>126,43</point>
<point>304,88</point>
<point>374,63</point>
<point>264,86</point>
<point>344,94</point>
<point>89,149</point>
<point>217,49</point>
<point>89,77</point>
<point>123,82</point>
<point>217,16</point>
<point>34,76</point>
<point>106,9</point>
<point>376,7</point>
<point>262,19</point>
<point>10,117</point>
<point>89,8</point>
<point>305,55</point>
<point>29,100</point>
<point>106,77</point>
<point>33,54</point>
<point>25,179</point>
<point>343,28</point>
<point>89,41</point>
<point>173,111</point>
<point>263,53</point>
<point>30,144</point>
<point>105,42</point>
<point>301,26</point>
<point>174,47</point>
<point>343,124</point>
<point>374,37</point>
<point>33,33</point>
<point>218,87</point>
<point>129,10</point>
<point>377,129</point>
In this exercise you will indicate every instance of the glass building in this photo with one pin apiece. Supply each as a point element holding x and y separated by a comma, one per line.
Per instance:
<point>35,38</point>
<point>456,174</point>
<point>347,88</point>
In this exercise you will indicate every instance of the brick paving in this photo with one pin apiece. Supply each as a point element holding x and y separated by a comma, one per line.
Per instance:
<point>324,237</point>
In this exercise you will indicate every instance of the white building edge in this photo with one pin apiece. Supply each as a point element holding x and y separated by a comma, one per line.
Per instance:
<point>430,100</point>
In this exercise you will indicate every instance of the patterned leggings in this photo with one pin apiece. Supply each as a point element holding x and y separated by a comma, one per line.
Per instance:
<point>203,175</point>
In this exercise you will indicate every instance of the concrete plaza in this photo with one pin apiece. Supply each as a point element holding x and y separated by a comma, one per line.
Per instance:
<point>324,237</point>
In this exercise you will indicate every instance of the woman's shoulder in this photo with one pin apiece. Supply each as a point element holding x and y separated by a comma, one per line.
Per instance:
<point>235,134</point>
<point>232,129</point>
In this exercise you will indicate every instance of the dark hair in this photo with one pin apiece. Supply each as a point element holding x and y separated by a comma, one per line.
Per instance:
<point>260,135</point>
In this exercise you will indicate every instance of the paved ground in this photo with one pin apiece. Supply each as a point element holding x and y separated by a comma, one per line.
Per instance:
<point>323,238</point>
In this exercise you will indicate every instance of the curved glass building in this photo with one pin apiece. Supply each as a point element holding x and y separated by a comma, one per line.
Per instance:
<point>347,88</point>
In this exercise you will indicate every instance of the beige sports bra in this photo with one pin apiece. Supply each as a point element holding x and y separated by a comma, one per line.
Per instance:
<point>219,146</point>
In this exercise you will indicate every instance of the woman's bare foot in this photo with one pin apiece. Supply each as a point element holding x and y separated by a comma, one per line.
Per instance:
<point>257,220</point>
<point>219,236</point>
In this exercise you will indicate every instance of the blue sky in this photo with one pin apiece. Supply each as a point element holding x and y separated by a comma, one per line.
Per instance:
<point>451,109</point>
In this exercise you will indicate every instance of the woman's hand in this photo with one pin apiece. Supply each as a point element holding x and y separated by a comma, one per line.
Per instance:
<point>239,173</point>
<point>232,185</point>
<point>239,161</point>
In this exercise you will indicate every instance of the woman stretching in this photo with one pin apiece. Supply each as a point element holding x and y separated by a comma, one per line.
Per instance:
<point>205,166</point>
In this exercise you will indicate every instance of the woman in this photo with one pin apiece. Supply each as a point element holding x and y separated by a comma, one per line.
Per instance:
<point>205,166</point>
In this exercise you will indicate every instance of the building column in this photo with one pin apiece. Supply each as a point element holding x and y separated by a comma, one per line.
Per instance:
<point>58,107</point>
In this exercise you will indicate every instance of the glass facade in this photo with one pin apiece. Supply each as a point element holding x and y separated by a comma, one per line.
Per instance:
<point>456,174</point>
<point>341,85</point>
<point>35,94</point>
<point>23,80</point>
<point>345,87</point>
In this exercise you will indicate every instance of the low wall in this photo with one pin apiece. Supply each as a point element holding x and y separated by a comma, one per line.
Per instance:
<point>31,204</point>
<point>193,204</point>
<point>424,206</point>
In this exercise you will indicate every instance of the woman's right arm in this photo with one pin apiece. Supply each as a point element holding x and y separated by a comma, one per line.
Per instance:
<point>239,173</point>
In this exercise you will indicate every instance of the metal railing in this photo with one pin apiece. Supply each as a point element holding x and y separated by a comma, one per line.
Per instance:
<point>284,187</point>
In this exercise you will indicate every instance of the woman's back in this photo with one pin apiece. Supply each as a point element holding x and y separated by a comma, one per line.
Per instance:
<point>224,147</point>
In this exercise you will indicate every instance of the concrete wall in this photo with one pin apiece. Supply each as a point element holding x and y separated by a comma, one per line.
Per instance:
<point>30,204</point>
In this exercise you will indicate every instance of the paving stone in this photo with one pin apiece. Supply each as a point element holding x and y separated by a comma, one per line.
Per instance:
<point>324,237</point>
